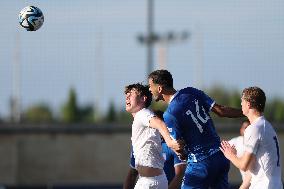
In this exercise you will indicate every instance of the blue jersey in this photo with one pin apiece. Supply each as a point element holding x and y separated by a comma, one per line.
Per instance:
<point>187,117</point>
<point>171,160</point>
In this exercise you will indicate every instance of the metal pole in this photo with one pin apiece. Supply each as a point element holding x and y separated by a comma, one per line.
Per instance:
<point>16,91</point>
<point>150,42</point>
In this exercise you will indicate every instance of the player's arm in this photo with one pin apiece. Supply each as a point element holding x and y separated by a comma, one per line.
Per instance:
<point>179,173</point>
<point>225,111</point>
<point>243,162</point>
<point>246,182</point>
<point>130,180</point>
<point>158,124</point>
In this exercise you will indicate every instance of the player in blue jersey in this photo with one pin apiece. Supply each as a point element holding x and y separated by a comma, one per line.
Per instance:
<point>173,167</point>
<point>187,117</point>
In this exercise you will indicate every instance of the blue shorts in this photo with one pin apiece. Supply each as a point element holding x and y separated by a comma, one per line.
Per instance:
<point>211,172</point>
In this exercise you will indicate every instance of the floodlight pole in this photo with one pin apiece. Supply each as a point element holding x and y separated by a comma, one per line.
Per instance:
<point>152,38</point>
<point>16,82</point>
<point>150,42</point>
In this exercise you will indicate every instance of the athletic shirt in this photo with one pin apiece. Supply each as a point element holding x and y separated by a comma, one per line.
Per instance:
<point>146,141</point>
<point>171,160</point>
<point>187,117</point>
<point>238,142</point>
<point>260,139</point>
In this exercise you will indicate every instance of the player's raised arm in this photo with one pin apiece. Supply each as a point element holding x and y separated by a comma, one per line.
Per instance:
<point>225,111</point>
<point>158,124</point>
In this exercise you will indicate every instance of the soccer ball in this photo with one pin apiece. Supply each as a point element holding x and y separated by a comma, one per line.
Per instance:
<point>31,18</point>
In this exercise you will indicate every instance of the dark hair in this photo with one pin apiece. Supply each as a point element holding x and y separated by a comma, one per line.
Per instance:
<point>162,77</point>
<point>159,114</point>
<point>256,97</point>
<point>143,90</point>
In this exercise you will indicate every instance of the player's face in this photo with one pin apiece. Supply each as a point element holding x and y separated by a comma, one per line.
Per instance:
<point>154,89</point>
<point>245,106</point>
<point>133,102</point>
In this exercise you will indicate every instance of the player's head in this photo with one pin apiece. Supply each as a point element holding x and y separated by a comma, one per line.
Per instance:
<point>137,96</point>
<point>244,125</point>
<point>253,98</point>
<point>160,80</point>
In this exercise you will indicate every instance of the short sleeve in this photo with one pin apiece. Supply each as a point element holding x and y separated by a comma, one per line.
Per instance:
<point>145,115</point>
<point>251,139</point>
<point>172,125</point>
<point>208,101</point>
<point>177,161</point>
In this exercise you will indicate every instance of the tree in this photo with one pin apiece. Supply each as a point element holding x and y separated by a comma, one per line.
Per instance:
<point>40,113</point>
<point>274,110</point>
<point>87,114</point>
<point>111,113</point>
<point>70,110</point>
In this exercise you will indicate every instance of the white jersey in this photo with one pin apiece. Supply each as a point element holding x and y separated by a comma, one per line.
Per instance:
<point>261,140</point>
<point>238,142</point>
<point>146,141</point>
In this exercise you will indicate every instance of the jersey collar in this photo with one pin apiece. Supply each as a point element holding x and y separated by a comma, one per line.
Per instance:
<point>172,97</point>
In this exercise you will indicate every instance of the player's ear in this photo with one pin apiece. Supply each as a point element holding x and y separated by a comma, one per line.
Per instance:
<point>160,88</point>
<point>144,98</point>
<point>249,105</point>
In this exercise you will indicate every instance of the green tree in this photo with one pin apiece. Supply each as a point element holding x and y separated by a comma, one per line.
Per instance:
<point>70,110</point>
<point>235,99</point>
<point>111,113</point>
<point>40,113</point>
<point>274,110</point>
<point>124,117</point>
<point>159,106</point>
<point>87,114</point>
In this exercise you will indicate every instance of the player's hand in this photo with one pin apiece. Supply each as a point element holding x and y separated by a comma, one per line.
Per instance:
<point>227,149</point>
<point>234,149</point>
<point>176,145</point>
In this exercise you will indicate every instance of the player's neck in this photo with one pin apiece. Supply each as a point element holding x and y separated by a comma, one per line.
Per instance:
<point>168,94</point>
<point>253,116</point>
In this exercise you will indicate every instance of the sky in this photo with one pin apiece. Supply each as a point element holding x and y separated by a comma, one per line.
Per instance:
<point>92,46</point>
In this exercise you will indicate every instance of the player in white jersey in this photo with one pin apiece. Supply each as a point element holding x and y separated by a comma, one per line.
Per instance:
<point>262,155</point>
<point>146,139</point>
<point>238,143</point>
<point>173,167</point>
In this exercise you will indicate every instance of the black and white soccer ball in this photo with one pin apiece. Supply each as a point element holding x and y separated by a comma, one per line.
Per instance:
<point>31,18</point>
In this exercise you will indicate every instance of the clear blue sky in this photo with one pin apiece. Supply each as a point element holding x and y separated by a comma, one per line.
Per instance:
<point>91,45</point>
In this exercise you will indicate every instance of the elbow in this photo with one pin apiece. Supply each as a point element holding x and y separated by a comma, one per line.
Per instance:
<point>243,167</point>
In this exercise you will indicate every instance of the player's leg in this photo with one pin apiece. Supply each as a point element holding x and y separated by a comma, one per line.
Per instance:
<point>219,169</point>
<point>195,176</point>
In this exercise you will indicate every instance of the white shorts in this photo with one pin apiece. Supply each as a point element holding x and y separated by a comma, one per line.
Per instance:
<point>157,182</point>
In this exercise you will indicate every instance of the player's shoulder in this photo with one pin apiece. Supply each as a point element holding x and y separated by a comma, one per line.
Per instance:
<point>143,116</point>
<point>144,112</point>
<point>190,90</point>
